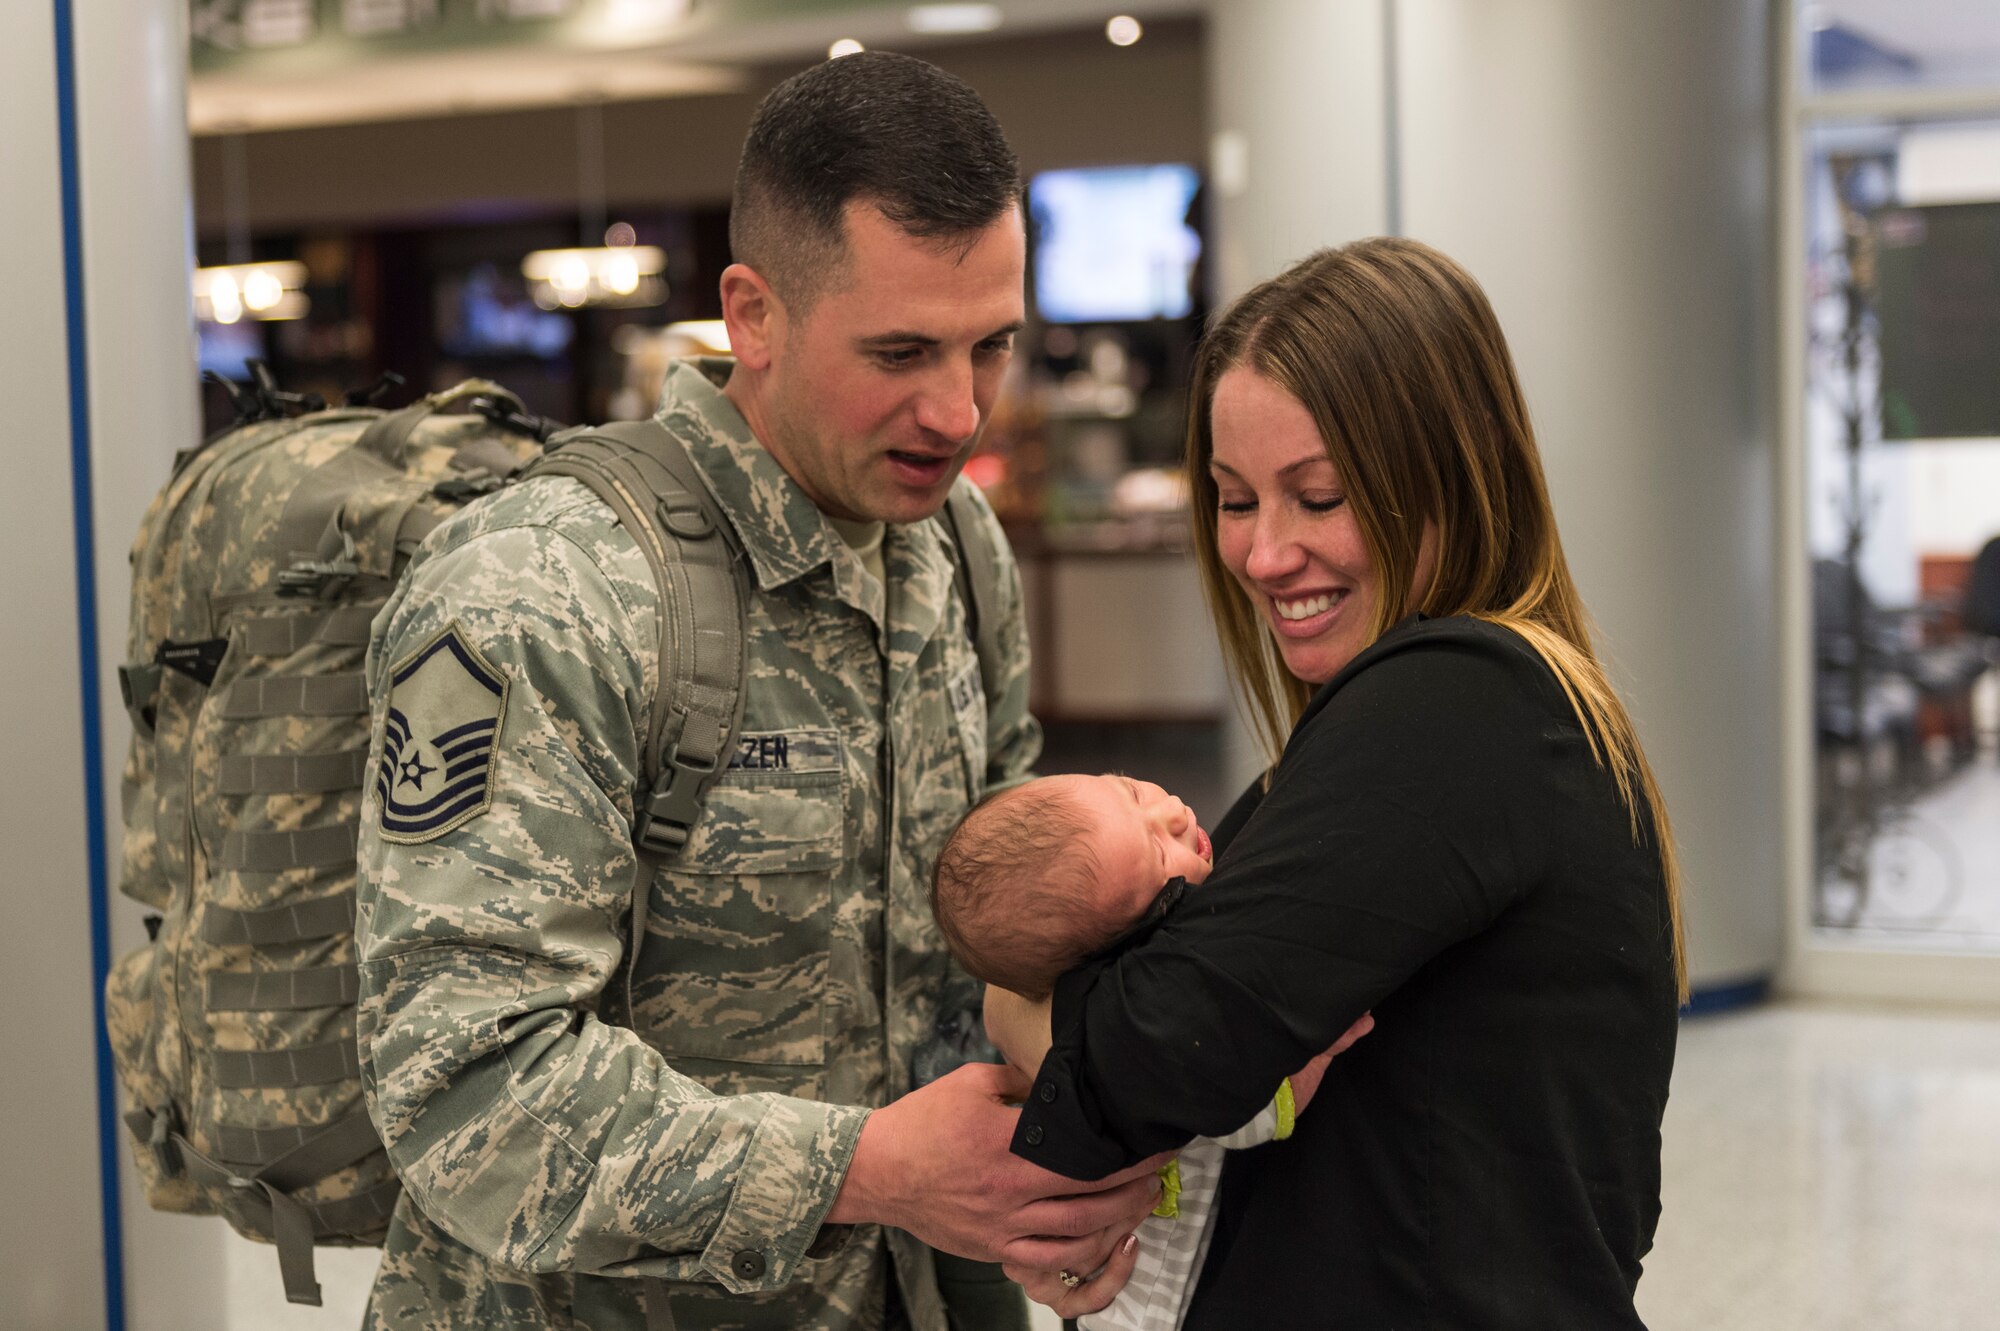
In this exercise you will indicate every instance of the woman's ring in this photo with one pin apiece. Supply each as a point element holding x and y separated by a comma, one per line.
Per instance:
<point>1069,1278</point>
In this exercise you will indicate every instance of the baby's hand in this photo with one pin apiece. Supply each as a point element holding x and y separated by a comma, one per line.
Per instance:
<point>1018,1027</point>
<point>1305,1082</point>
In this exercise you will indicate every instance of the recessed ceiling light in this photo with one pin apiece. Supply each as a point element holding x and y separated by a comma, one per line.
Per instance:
<point>952,18</point>
<point>1123,30</point>
<point>845,46</point>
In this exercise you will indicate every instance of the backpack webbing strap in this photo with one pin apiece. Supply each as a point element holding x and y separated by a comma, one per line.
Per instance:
<point>322,917</point>
<point>274,852</point>
<point>295,695</point>
<point>281,635</point>
<point>976,575</point>
<point>291,773</point>
<point>283,991</point>
<point>264,1193</point>
<point>257,1147</point>
<point>284,1069</point>
<point>644,474</point>
<point>659,1310</point>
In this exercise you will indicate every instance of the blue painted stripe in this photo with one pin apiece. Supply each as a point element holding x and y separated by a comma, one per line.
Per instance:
<point>108,1127</point>
<point>1727,997</point>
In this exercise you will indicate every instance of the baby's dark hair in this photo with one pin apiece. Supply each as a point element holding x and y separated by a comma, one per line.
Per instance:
<point>1012,890</point>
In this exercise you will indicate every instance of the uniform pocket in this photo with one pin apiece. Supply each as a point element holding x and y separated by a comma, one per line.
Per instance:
<point>734,965</point>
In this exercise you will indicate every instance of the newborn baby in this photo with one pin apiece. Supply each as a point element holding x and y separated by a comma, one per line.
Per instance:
<point>1036,880</point>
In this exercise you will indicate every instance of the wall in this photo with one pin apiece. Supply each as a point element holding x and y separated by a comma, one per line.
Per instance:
<point>50,1235</point>
<point>1604,171</point>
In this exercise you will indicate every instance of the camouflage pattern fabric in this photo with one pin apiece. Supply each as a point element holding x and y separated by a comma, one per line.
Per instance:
<point>232,1031</point>
<point>592,1132</point>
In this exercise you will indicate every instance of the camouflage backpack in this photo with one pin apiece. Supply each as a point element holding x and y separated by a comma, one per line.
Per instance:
<point>256,575</point>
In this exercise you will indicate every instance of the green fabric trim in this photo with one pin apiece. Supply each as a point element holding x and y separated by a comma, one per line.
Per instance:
<point>1170,1191</point>
<point>1288,1112</point>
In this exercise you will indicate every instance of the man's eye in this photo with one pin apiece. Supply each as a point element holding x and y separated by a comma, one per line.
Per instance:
<point>997,346</point>
<point>897,357</point>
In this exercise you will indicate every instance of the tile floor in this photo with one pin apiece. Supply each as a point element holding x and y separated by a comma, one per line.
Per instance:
<point>1831,1169</point>
<point>1827,1169</point>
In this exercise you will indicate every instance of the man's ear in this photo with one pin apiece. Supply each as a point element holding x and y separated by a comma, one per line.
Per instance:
<point>755,315</point>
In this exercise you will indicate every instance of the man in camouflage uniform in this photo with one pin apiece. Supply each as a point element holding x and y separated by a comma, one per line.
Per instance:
<point>715,1125</point>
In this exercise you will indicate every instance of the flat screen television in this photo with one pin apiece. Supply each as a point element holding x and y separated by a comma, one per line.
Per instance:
<point>1938,296</point>
<point>1114,244</point>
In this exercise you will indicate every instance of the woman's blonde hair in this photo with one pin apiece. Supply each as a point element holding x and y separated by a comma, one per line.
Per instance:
<point>1397,355</point>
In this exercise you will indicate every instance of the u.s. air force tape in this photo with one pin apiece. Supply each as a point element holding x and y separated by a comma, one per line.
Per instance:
<point>446,704</point>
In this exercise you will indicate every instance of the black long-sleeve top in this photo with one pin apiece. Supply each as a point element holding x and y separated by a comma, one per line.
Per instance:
<point>1439,846</point>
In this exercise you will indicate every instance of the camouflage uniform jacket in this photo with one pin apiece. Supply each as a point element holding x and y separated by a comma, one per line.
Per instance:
<point>550,1130</point>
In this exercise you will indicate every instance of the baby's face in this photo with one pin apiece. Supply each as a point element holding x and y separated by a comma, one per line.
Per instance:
<point>1141,836</point>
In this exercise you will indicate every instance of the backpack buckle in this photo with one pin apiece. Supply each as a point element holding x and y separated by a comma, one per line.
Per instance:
<point>318,578</point>
<point>160,1141</point>
<point>674,806</point>
<point>460,489</point>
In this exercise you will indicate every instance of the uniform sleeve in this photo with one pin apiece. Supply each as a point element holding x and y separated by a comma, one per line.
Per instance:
<point>1013,736</point>
<point>1407,814</point>
<point>529,1128</point>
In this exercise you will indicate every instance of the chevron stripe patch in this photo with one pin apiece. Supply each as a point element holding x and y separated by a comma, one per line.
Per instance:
<point>446,706</point>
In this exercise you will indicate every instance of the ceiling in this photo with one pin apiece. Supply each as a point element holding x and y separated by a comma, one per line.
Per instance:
<point>1943,36</point>
<point>699,57</point>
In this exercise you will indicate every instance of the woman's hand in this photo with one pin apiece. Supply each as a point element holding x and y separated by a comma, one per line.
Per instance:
<point>1018,1028</point>
<point>1305,1082</point>
<point>1092,1293</point>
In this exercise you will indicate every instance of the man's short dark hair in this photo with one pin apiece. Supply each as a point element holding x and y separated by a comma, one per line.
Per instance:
<point>893,130</point>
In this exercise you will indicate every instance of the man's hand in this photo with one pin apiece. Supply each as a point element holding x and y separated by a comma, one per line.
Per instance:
<point>936,1163</point>
<point>1305,1082</point>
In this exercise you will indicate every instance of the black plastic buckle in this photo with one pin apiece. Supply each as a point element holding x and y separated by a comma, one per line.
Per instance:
<point>460,489</point>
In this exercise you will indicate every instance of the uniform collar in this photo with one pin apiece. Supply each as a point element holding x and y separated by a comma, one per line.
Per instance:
<point>781,529</point>
<point>784,534</point>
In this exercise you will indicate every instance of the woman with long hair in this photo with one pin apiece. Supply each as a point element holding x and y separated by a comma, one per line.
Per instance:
<point>1459,831</point>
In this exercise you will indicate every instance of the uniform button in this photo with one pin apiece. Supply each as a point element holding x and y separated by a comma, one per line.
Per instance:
<point>748,1264</point>
<point>1048,1092</point>
<point>1033,1136</point>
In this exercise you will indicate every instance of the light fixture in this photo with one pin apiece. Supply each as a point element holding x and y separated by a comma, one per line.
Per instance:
<point>845,46</point>
<point>240,289</point>
<point>952,18</point>
<point>618,275</point>
<point>608,269</point>
<point>230,292</point>
<point>1123,30</point>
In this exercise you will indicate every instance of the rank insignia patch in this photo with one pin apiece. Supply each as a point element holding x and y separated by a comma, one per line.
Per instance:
<point>446,703</point>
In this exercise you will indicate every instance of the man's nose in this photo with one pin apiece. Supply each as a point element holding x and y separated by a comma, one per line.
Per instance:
<point>949,407</point>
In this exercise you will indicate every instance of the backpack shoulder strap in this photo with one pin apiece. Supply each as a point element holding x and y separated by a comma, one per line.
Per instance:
<point>977,577</point>
<point>646,477</point>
